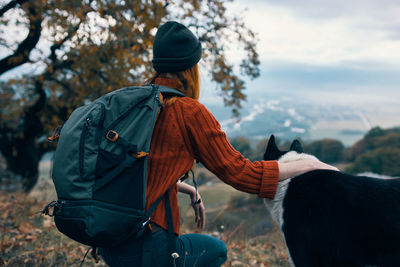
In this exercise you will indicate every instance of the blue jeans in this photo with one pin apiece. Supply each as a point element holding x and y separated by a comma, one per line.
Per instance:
<point>193,249</point>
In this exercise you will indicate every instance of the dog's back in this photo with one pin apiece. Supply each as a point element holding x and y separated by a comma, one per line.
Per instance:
<point>330,218</point>
<point>334,219</point>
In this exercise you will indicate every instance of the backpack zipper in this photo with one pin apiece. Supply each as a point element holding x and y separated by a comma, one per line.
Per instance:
<point>100,126</point>
<point>82,146</point>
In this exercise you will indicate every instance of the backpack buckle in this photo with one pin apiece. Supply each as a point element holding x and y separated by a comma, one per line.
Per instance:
<point>112,135</point>
<point>50,209</point>
<point>140,154</point>
<point>56,134</point>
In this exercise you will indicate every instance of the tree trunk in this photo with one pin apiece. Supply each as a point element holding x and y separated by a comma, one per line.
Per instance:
<point>23,153</point>
<point>22,158</point>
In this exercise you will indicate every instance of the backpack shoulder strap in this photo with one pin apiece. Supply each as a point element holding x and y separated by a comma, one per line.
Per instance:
<point>169,91</point>
<point>147,246</point>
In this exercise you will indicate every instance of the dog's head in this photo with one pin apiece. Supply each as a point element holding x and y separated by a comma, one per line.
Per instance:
<point>294,153</point>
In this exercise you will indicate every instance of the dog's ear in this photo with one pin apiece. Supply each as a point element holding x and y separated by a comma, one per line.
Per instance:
<point>272,152</point>
<point>296,146</point>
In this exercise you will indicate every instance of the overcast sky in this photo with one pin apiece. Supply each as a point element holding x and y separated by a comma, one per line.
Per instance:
<point>357,33</point>
<point>323,45</point>
<point>320,45</point>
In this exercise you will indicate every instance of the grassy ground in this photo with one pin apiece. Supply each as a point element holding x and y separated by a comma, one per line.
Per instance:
<point>29,239</point>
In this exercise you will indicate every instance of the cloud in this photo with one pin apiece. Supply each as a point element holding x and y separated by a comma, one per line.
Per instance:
<point>353,74</point>
<point>379,11</point>
<point>325,33</point>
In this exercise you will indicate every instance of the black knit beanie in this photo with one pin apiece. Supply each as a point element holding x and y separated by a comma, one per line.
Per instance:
<point>175,48</point>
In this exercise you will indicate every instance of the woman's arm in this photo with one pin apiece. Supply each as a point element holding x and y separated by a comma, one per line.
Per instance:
<point>197,204</point>
<point>211,147</point>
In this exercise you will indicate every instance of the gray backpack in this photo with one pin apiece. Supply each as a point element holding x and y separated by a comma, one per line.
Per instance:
<point>100,167</point>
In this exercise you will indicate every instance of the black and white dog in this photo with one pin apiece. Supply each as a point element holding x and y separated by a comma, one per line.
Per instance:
<point>330,218</point>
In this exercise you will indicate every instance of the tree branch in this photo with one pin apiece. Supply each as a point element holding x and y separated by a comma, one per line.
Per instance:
<point>62,84</point>
<point>21,55</point>
<point>56,46</point>
<point>11,5</point>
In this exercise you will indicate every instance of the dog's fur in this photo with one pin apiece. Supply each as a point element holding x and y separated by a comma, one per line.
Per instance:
<point>330,218</point>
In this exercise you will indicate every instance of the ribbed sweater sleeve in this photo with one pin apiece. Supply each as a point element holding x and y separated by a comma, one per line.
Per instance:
<point>211,148</point>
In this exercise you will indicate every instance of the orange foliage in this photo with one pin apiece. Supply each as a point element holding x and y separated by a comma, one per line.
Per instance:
<point>101,45</point>
<point>97,46</point>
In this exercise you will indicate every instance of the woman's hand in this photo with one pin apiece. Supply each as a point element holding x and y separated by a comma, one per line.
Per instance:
<point>197,203</point>
<point>295,168</point>
<point>199,210</point>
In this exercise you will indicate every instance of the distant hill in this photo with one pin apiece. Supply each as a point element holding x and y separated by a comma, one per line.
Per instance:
<point>377,152</point>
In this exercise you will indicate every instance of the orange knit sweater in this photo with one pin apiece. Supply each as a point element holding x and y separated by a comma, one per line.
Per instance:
<point>186,131</point>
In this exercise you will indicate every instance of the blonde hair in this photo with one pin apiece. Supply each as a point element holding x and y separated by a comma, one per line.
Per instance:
<point>187,80</point>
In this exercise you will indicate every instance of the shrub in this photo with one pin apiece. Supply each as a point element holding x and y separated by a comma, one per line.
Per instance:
<point>382,160</point>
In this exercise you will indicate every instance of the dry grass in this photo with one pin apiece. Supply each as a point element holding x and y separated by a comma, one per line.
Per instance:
<point>29,239</point>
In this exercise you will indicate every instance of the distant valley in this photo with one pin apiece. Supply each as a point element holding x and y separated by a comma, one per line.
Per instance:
<point>291,116</point>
